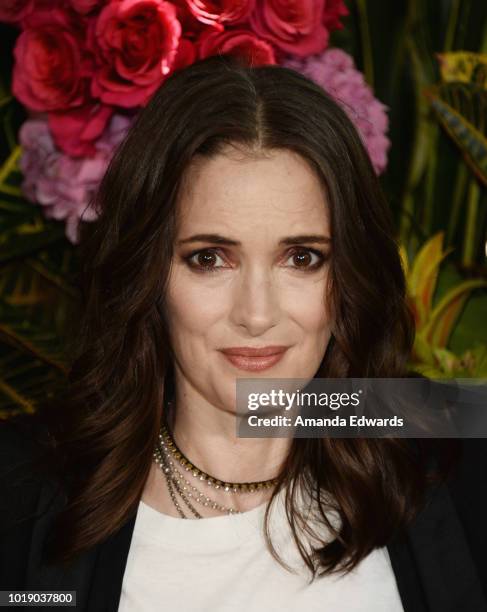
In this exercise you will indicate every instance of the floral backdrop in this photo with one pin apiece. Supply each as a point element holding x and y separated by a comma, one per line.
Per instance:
<point>82,69</point>
<point>77,72</point>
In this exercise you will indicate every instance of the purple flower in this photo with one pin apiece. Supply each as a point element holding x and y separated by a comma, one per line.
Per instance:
<point>335,71</point>
<point>64,185</point>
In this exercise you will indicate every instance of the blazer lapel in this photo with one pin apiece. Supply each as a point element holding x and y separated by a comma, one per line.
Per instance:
<point>76,576</point>
<point>407,576</point>
<point>109,570</point>
<point>95,575</point>
<point>432,563</point>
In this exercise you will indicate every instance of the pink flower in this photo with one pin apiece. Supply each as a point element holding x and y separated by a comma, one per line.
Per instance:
<point>135,42</point>
<point>218,14</point>
<point>51,71</point>
<point>335,71</point>
<point>294,26</point>
<point>15,10</point>
<point>242,43</point>
<point>65,186</point>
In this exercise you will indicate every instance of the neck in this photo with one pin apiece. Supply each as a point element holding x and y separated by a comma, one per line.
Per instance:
<point>207,437</point>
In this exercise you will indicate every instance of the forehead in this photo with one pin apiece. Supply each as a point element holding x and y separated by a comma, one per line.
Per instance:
<point>237,192</point>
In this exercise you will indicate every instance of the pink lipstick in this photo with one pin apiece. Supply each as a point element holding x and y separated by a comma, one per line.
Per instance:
<point>254,359</point>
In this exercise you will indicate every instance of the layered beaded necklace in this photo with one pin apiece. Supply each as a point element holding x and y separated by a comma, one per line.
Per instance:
<point>173,465</point>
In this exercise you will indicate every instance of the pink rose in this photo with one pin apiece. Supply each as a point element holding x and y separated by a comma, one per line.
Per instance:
<point>51,70</point>
<point>218,14</point>
<point>15,10</point>
<point>294,26</point>
<point>136,42</point>
<point>241,43</point>
<point>76,131</point>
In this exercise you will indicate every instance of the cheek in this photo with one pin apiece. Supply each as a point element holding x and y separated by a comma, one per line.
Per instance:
<point>314,317</point>
<point>310,310</point>
<point>192,307</point>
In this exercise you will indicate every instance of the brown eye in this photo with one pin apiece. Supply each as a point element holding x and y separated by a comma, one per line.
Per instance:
<point>302,259</point>
<point>307,259</point>
<point>206,259</point>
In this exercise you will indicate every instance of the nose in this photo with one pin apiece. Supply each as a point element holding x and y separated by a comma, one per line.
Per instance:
<point>256,304</point>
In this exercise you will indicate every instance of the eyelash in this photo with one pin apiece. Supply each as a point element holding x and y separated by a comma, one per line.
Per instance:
<point>209,269</point>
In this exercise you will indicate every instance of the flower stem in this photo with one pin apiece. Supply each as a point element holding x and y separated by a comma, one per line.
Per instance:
<point>458,196</point>
<point>368,64</point>
<point>469,242</point>
<point>452,25</point>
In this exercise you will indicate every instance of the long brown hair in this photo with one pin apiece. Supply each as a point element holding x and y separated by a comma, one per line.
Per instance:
<point>105,427</point>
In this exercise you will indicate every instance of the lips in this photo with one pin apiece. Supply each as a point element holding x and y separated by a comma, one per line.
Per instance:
<point>249,351</point>
<point>254,359</point>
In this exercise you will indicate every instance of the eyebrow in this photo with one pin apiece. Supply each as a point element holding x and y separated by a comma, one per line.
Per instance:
<point>288,240</point>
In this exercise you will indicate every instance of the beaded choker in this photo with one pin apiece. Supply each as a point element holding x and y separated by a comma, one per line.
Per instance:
<point>235,487</point>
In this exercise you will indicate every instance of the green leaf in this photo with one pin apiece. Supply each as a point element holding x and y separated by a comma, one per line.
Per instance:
<point>422,350</point>
<point>424,274</point>
<point>58,267</point>
<point>460,108</point>
<point>479,355</point>
<point>27,238</point>
<point>41,343</point>
<point>440,324</point>
<point>25,381</point>
<point>448,362</point>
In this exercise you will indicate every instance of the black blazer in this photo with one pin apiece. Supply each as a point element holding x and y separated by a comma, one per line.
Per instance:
<point>439,564</point>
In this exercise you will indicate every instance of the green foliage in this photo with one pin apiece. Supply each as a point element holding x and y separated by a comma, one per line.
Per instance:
<point>464,129</point>
<point>426,60</point>
<point>37,290</point>
<point>435,320</point>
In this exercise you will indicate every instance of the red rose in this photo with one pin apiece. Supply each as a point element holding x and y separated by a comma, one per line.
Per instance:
<point>191,27</point>
<point>242,43</point>
<point>15,10</point>
<point>75,131</point>
<point>334,9</point>
<point>85,6</point>
<point>220,13</point>
<point>136,42</point>
<point>294,26</point>
<point>185,55</point>
<point>51,69</point>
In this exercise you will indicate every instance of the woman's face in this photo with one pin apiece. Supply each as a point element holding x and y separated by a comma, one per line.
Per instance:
<point>253,287</point>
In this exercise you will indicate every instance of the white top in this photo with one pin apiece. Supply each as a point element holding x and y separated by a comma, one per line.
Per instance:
<point>222,564</point>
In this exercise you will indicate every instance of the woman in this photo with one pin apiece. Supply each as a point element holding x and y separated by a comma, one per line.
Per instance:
<point>241,233</point>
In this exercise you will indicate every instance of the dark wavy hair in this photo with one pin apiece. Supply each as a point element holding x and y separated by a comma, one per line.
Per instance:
<point>103,430</point>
